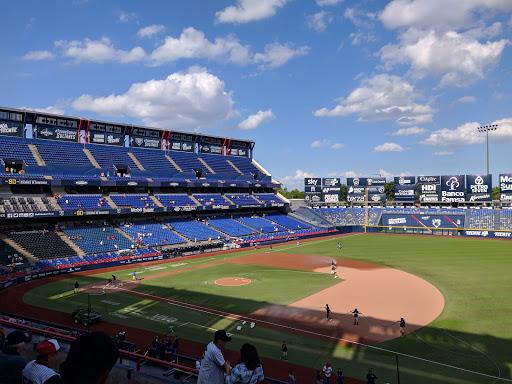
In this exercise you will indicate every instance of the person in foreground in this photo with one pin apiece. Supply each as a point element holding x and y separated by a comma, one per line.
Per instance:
<point>40,371</point>
<point>213,365</point>
<point>11,362</point>
<point>90,359</point>
<point>248,370</point>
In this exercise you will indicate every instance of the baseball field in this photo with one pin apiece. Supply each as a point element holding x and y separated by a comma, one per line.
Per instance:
<point>454,293</point>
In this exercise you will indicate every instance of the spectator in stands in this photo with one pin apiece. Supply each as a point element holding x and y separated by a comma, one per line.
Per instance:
<point>176,344</point>
<point>90,359</point>
<point>3,335</point>
<point>327,373</point>
<point>11,361</point>
<point>213,365</point>
<point>40,371</point>
<point>291,377</point>
<point>248,370</point>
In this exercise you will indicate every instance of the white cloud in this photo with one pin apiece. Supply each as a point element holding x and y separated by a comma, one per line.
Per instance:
<point>296,180</point>
<point>246,11</point>
<point>150,30</point>
<point>57,109</point>
<point>449,14</point>
<point>443,153</point>
<point>388,147</point>
<point>98,51</point>
<point>504,131</point>
<point>254,121</point>
<point>360,37</point>
<point>195,99</point>
<point>338,146</point>
<point>320,143</point>
<point>388,175</point>
<point>319,21</point>
<point>38,55</point>
<point>323,3</point>
<point>276,55</point>
<point>358,18</point>
<point>457,57</point>
<point>125,17</point>
<point>192,44</point>
<point>382,97</point>
<point>412,131</point>
<point>466,134</point>
<point>466,99</point>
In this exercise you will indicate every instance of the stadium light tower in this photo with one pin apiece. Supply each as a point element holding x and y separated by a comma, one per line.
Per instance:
<point>486,129</point>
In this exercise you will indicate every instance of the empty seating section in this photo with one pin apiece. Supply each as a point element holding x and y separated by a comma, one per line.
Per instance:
<point>242,199</point>
<point>187,161</point>
<point>218,164</point>
<point>338,216</point>
<point>230,226</point>
<point>16,149</point>
<point>244,165</point>
<point>177,200</point>
<point>288,235</point>
<point>5,251</point>
<point>107,157</point>
<point>260,224</point>
<point>82,202</point>
<point>153,159</point>
<point>62,153</point>
<point>194,230</point>
<point>287,221</point>
<point>97,239</point>
<point>481,219</point>
<point>151,234</point>
<point>25,204</point>
<point>267,198</point>
<point>137,201</point>
<point>211,199</point>
<point>45,245</point>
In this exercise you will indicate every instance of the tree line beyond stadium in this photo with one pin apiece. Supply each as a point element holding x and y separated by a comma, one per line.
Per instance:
<point>425,189</point>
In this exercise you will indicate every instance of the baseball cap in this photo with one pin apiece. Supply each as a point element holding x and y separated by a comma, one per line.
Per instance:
<point>222,335</point>
<point>47,347</point>
<point>16,337</point>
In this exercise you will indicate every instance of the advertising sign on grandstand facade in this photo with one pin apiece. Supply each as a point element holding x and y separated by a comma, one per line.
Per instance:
<point>146,142</point>
<point>181,146</point>
<point>505,187</point>
<point>210,149</point>
<point>57,133</point>
<point>453,188</point>
<point>106,138</point>
<point>11,128</point>
<point>479,187</point>
<point>239,152</point>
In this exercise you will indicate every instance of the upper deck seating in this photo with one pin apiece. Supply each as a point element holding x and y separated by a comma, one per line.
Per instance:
<point>218,164</point>
<point>45,245</point>
<point>287,221</point>
<point>136,201</point>
<point>267,198</point>
<point>151,234</point>
<point>193,229</point>
<point>153,159</point>
<point>211,199</point>
<point>97,239</point>
<point>175,200</point>
<point>62,153</point>
<point>107,157</point>
<point>230,226</point>
<point>242,199</point>
<point>82,202</point>
<point>187,161</point>
<point>16,149</point>
<point>260,224</point>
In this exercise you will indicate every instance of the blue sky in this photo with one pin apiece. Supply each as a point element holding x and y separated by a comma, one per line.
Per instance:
<point>325,87</point>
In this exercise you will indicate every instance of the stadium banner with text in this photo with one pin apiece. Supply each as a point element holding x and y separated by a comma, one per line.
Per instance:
<point>11,128</point>
<point>173,184</point>
<point>479,197</point>
<point>432,198</point>
<point>376,190</point>
<point>47,132</point>
<point>375,181</point>
<point>238,152</point>
<point>331,197</point>
<point>506,197</point>
<point>313,197</point>
<point>146,142</point>
<point>356,181</point>
<point>331,182</point>
<point>491,234</point>
<point>369,181</point>
<point>312,189</point>
<point>425,221</point>
<point>129,183</point>
<point>405,180</point>
<point>405,192</point>
<point>352,190</point>
<point>429,179</point>
<point>453,188</point>
<point>80,183</point>
<point>24,181</point>
<point>479,185</point>
<point>181,146</point>
<point>313,182</point>
<point>355,198</point>
<point>106,138</point>
<point>211,149</point>
<point>429,189</point>
<point>505,181</point>
<point>376,198</point>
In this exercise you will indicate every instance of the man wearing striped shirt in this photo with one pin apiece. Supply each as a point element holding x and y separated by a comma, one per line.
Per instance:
<point>39,371</point>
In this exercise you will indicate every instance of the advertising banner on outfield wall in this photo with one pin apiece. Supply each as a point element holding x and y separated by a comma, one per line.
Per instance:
<point>506,197</point>
<point>355,198</point>
<point>331,197</point>
<point>356,181</point>
<point>429,189</point>
<point>428,198</point>
<point>405,180</point>
<point>505,183</point>
<point>377,198</point>
<point>312,189</point>
<point>429,179</point>
<point>479,184</point>
<point>369,181</point>
<point>479,197</point>
<point>453,188</point>
<point>11,128</point>
<point>313,182</point>
<point>376,190</point>
<point>313,197</point>
<point>429,221</point>
<point>352,190</point>
<point>331,182</point>
<point>405,192</point>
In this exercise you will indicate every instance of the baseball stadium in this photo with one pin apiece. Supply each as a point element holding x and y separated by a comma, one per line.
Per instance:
<point>179,234</point>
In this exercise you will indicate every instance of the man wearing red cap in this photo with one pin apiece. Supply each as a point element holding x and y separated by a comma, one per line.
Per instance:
<point>40,371</point>
<point>327,373</point>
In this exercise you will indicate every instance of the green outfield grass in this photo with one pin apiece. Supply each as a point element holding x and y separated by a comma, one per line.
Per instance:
<point>473,332</point>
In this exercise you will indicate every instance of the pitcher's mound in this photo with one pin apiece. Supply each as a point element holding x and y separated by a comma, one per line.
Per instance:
<point>232,281</point>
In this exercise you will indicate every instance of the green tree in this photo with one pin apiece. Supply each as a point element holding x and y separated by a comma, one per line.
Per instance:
<point>390,191</point>
<point>296,194</point>
<point>343,192</point>
<point>496,193</point>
